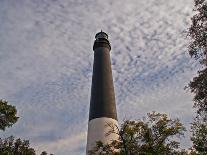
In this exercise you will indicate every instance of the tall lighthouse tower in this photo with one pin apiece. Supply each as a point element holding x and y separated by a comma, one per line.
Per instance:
<point>102,103</point>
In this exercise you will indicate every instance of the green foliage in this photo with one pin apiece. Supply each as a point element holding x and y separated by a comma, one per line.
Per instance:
<point>150,136</point>
<point>198,49</point>
<point>104,149</point>
<point>45,153</point>
<point>10,146</point>
<point>199,87</point>
<point>198,32</point>
<point>199,138</point>
<point>7,115</point>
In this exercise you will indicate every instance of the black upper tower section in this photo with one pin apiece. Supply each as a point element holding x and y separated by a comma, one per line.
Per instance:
<point>102,102</point>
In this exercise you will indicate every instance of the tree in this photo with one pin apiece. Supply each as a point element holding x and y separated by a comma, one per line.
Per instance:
<point>198,49</point>
<point>199,87</point>
<point>10,145</point>
<point>153,135</point>
<point>199,138</point>
<point>7,115</point>
<point>45,153</point>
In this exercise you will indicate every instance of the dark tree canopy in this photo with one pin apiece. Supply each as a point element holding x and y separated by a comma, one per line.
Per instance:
<point>7,115</point>
<point>198,49</point>
<point>198,32</point>
<point>199,87</point>
<point>45,153</point>
<point>10,146</point>
<point>152,135</point>
<point>199,137</point>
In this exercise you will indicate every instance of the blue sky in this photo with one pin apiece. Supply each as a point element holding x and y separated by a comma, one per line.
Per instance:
<point>46,63</point>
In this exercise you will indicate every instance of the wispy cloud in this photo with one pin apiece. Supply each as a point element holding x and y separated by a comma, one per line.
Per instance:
<point>46,62</point>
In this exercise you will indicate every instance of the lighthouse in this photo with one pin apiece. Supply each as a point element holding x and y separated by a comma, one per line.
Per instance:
<point>102,102</point>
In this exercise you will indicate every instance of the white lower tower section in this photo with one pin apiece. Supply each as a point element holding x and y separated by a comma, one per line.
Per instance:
<point>97,130</point>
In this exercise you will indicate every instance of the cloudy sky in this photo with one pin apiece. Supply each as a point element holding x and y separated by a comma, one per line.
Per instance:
<point>46,63</point>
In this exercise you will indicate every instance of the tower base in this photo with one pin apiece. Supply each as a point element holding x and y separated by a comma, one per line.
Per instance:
<point>97,131</point>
